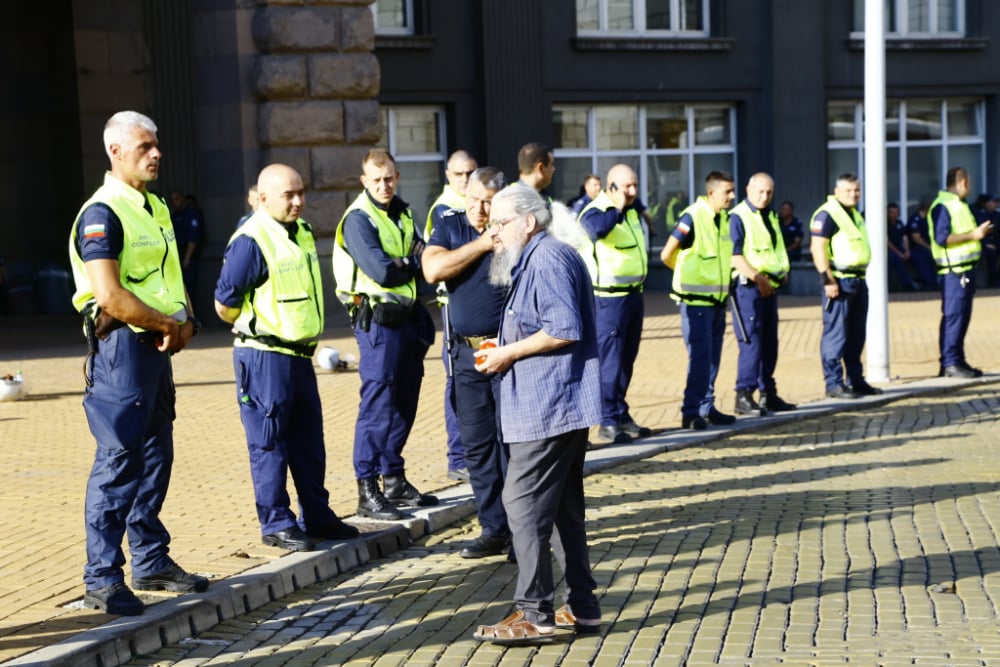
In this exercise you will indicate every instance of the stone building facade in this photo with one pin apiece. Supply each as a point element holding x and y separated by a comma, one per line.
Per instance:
<point>232,84</point>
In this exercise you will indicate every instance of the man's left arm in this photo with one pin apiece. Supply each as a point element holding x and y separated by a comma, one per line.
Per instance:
<point>598,223</point>
<point>243,269</point>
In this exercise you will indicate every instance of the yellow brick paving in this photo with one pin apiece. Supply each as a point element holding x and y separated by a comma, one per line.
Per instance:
<point>47,450</point>
<point>869,539</point>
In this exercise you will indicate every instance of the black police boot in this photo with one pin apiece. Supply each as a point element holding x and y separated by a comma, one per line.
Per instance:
<point>401,493</point>
<point>374,505</point>
<point>745,405</point>
<point>771,402</point>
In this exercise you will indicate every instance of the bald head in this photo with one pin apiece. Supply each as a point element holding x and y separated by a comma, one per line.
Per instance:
<point>460,167</point>
<point>281,193</point>
<point>760,190</point>
<point>622,181</point>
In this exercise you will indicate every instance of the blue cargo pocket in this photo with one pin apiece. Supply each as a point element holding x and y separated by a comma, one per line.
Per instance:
<point>260,421</point>
<point>116,415</point>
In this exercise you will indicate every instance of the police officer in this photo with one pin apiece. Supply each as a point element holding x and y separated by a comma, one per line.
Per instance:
<point>271,291</point>
<point>920,247</point>
<point>761,266</point>
<point>458,171</point>
<point>700,251</point>
<point>136,313</point>
<point>617,260</point>
<point>536,164</point>
<point>459,253</point>
<point>376,258</point>
<point>452,198</point>
<point>841,253</point>
<point>956,243</point>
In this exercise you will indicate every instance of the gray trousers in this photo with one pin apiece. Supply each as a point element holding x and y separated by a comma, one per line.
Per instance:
<point>544,490</point>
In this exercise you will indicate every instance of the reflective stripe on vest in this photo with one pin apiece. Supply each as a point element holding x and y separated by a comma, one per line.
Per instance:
<point>448,197</point>
<point>396,241</point>
<point>289,305</point>
<point>848,250</point>
<point>963,256</point>
<point>702,272</point>
<point>767,256</point>
<point>148,266</point>
<point>619,260</point>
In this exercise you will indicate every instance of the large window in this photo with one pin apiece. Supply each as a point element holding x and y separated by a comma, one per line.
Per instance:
<point>917,18</point>
<point>671,146</point>
<point>642,16</point>
<point>416,138</point>
<point>393,17</point>
<point>924,138</point>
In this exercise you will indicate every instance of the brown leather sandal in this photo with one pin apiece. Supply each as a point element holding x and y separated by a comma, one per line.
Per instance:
<point>515,629</point>
<point>566,619</point>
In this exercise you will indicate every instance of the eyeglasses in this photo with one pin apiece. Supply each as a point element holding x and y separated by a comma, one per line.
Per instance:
<point>497,225</point>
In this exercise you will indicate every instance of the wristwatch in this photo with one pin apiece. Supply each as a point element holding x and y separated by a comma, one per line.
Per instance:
<point>195,323</point>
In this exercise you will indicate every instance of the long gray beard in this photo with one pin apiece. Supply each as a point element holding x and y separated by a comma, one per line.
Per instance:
<point>502,265</point>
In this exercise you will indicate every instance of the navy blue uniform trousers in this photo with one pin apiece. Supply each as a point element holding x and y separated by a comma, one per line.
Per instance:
<point>844,331</point>
<point>758,356</point>
<point>391,369</point>
<point>283,420</point>
<point>456,452</point>
<point>619,330</point>
<point>475,398</point>
<point>130,409</point>
<point>702,328</point>
<point>544,491</point>
<point>956,313</point>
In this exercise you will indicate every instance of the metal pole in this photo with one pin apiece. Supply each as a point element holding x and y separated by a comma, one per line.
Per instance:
<point>874,192</point>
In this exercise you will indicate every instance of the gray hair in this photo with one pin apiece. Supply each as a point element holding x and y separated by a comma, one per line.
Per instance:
<point>490,178</point>
<point>553,217</point>
<point>117,129</point>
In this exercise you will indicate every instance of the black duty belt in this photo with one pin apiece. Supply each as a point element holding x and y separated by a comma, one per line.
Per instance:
<point>624,289</point>
<point>302,349</point>
<point>473,341</point>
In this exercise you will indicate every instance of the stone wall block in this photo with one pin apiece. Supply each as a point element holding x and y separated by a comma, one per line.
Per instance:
<point>357,29</point>
<point>337,167</point>
<point>279,76</point>
<point>323,211</point>
<point>298,158</point>
<point>346,76</point>
<point>312,122</point>
<point>316,28</point>
<point>362,121</point>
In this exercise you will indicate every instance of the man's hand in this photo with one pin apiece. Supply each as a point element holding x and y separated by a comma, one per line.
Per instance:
<point>617,196</point>
<point>983,230</point>
<point>764,285</point>
<point>494,359</point>
<point>172,338</point>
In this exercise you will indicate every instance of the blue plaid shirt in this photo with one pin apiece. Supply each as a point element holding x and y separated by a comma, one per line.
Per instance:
<point>549,394</point>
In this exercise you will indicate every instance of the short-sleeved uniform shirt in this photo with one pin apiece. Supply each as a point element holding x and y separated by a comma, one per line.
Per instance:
<point>550,394</point>
<point>475,305</point>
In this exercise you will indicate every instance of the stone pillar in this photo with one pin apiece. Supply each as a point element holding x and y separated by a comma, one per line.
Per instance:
<point>317,79</point>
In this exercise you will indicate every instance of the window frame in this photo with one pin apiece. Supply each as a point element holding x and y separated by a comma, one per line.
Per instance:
<point>641,153</point>
<point>390,143</point>
<point>639,22</point>
<point>900,13</point>
<point>407,29</point>
<point>903,144</point>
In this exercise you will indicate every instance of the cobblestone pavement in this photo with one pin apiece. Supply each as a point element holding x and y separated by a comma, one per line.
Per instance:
<point>47,449</point>
<point>868,538</point>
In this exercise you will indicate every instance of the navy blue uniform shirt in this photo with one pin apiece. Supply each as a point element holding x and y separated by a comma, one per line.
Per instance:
<point>475,305</point>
